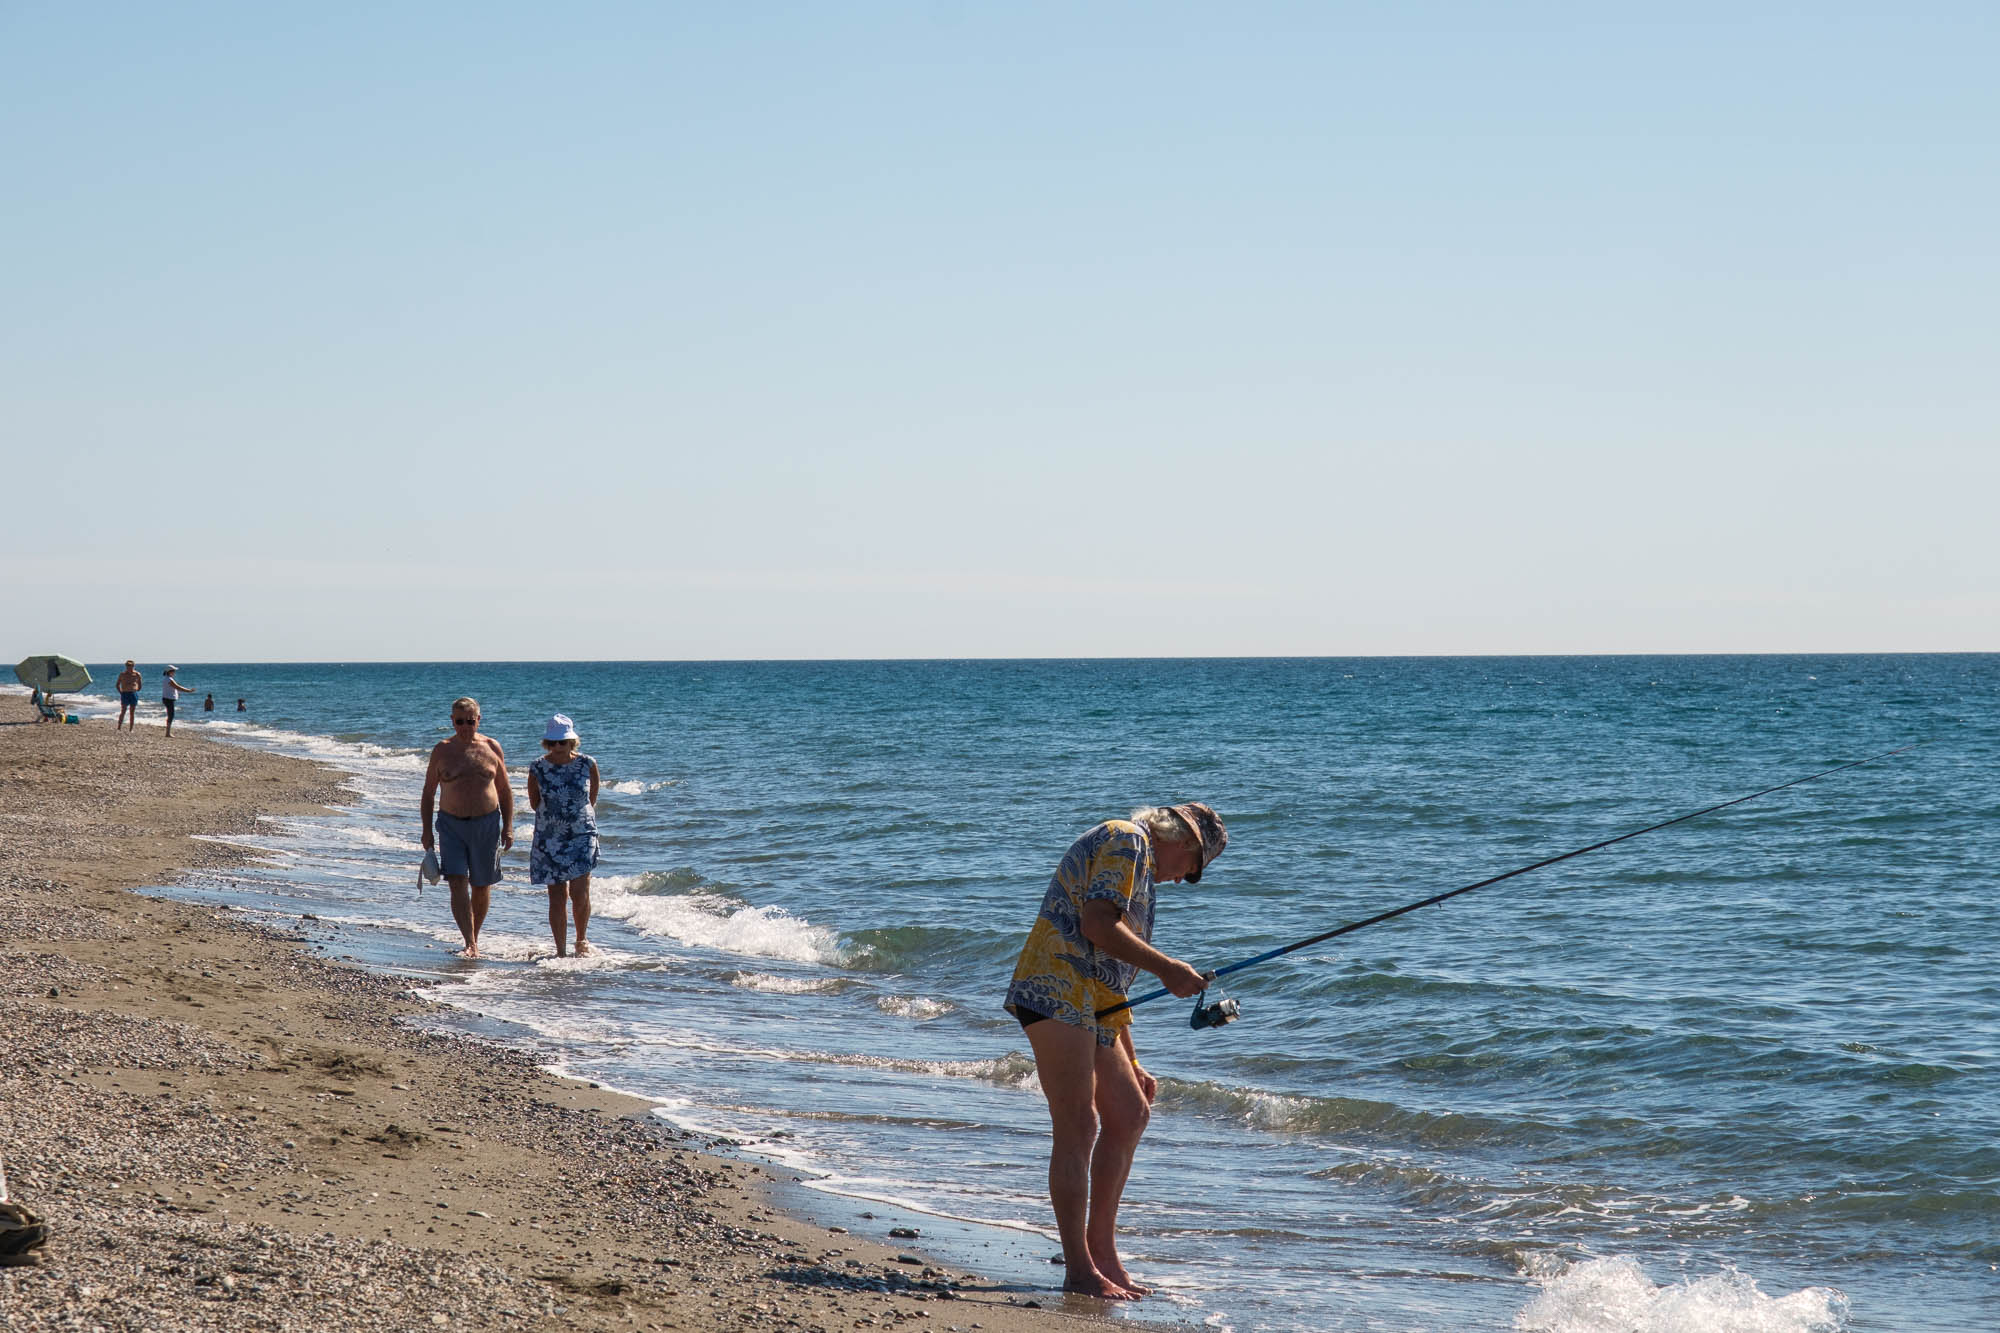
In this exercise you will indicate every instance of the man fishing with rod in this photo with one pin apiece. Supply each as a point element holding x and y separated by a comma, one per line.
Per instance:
<point>1089,942</point>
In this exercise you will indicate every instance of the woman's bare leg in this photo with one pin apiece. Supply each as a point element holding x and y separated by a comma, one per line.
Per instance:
<point>1066,1060</point>
<point>559,916</point>
<point>579,899</point>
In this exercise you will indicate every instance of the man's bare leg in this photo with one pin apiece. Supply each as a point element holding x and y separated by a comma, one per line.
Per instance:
<point>461,912</point>
<point>1122,1114</point>
<point>579,901</point>
<point>482,898</point>
<point>1065,1061</point>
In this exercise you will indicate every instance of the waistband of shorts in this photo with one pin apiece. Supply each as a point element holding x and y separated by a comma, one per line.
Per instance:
<point>494,813</point>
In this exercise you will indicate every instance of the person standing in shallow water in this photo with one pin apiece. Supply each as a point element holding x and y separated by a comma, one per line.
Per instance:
<point>562,791</point>
<point>467,779</point>
<point>1089,942</point>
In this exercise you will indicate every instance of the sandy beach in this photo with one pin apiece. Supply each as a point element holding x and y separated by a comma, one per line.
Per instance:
<point>225,1132</point>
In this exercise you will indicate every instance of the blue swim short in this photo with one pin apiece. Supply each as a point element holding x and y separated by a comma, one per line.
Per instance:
<point>129,698</point>
<point>470,847</point>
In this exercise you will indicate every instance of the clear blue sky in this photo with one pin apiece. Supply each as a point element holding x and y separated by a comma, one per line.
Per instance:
<point>868,330</point>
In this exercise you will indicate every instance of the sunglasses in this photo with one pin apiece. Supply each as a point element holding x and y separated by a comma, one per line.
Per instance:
<point>465,722</point>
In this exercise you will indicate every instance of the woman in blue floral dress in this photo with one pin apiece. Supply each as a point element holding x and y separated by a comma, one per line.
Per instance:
<point>562,791</point>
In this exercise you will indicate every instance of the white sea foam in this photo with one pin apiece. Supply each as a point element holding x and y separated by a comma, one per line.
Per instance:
<point>369,837</point>
<point>562,1071</point>
<point>1274,1110</point>
<point>915,1007</point>
<point>1616,1296</point>
<point>380,757</point>
<point>711,1122</point>
<point>634,787</point>
<point>272,853</point>
<point>502,993</point>
<point>380,923</point>
<point>776,985</point>
<point>1012,1070</point>
<point>494,945</point>
<point>595,1033</point>
<point>898,1194</point>
<point>598,959</point>
<point>709,921</point>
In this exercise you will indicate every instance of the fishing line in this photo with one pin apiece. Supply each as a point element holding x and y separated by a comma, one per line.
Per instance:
<point>1216,1017</point>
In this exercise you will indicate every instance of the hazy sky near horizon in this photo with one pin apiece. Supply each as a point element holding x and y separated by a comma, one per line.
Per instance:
<point>453,331</point>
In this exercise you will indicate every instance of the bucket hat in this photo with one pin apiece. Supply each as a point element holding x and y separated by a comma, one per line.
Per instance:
<point>1209,833</point>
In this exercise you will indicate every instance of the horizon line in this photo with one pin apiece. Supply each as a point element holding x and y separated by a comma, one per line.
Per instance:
<point>1206,657</point>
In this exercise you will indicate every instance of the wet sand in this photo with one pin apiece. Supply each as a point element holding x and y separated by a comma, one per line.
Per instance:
<point>226,1132</point>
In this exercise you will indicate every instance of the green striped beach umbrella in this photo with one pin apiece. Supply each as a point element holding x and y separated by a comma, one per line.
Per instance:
<point>52,673</point>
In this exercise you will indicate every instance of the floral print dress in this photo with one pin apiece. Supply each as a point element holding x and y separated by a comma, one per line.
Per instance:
<point>566,825</point>
<point>1063,975</point>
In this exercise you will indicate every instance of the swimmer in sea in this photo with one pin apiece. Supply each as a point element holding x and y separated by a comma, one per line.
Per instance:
<point>474,817</point>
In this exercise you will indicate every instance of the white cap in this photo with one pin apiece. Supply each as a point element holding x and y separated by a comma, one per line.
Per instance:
<point>560,728</point>
<point>171,670</point>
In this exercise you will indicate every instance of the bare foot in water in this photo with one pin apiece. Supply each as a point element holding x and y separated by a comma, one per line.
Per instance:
<point>1096,1284</point>
<point>1112,1269</point>
<point>582,949</point>
<point>469,951</point>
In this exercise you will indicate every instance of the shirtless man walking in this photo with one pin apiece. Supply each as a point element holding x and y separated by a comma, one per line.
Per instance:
<point>474,820</point>
<point>129,682</point>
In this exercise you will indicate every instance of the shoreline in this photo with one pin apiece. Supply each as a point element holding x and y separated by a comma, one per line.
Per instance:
<point>225,1131</point>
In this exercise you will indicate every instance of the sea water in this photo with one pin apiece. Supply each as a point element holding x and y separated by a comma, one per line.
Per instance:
<point>1740,1074</point>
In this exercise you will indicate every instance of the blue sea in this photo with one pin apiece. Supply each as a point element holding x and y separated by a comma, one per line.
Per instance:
<point>1740,1074</point>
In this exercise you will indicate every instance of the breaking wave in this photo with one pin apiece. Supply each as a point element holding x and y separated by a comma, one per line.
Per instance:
<point>1616,1296</point>
<point>706,920</point>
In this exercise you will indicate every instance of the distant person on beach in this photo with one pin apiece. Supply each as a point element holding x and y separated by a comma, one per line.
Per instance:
<point>129,684</point>
<point>240,708</point>
<point>1089,942</point>
<point>562,791</point>
<point>171,691</point>
<point>467,778</point>
<point>208,704</point>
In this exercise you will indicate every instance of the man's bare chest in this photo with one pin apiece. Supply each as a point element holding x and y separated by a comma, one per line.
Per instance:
<point>467,764</point>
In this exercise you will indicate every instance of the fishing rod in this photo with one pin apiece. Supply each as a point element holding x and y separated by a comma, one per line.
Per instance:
<point>1225,1011</point>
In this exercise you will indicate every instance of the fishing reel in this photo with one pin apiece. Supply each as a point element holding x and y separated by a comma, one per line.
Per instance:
<point>1219,1014</point>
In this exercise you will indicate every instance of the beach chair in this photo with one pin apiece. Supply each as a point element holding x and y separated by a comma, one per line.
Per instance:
<point>50,712</point>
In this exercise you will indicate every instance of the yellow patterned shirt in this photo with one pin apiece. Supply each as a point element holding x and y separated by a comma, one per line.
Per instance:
<point>1062,974</point>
